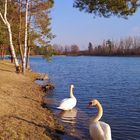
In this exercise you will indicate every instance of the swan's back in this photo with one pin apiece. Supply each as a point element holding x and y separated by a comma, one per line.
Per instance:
<point>100,131</point>
<point>96,131</point>
<point>67,104</point>
<point>107,130</point>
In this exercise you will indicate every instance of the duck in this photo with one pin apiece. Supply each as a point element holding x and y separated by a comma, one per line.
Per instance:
<point>98,130</point>
<point>68,103</point>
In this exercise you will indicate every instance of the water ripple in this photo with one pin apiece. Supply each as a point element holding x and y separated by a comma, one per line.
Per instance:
<point>114,81</point>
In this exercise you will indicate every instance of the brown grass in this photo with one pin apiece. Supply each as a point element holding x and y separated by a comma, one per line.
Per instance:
<point>21,114</point>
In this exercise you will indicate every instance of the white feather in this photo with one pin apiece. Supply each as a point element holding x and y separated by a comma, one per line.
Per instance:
<point>99,130</point>
<point>68,103</point>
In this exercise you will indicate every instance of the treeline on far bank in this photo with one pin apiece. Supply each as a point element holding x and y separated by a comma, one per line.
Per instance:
<point>129,46</point>
<point>124,47</point>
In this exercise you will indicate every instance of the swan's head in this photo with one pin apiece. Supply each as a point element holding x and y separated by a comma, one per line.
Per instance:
<point>93,102</point>
<point>72,86</point>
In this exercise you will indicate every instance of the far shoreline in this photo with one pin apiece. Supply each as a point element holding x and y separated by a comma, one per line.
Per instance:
<point>91,55</point>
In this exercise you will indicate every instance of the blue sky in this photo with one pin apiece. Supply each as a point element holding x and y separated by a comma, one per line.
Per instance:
<point>74,27</point>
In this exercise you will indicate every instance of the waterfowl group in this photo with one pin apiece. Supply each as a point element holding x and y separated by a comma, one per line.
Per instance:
<point>98,130</point>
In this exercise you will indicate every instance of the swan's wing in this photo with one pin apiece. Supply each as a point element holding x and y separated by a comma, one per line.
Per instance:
<point>67,103</point>
<point>107,130</point>
<point>64,100</point>
<point>96,131</point>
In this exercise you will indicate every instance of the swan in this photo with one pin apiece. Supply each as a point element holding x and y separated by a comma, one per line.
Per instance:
<point>99,130</point>
<point>68,103</point>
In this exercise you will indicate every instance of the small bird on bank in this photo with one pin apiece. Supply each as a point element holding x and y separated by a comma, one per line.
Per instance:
<point>68,103</point>
<point>98,130</point>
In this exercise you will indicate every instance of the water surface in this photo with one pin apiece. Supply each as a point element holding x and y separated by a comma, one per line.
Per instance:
<point>114,81</point>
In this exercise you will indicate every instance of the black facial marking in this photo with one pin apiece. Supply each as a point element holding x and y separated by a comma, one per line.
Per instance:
<point>90,103</point>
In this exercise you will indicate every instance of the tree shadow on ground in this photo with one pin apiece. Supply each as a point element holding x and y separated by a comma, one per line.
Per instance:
<point>55,134</point>
<point>6,70</point>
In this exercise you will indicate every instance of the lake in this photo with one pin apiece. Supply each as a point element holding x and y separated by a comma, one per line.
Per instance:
<point>114,81</point>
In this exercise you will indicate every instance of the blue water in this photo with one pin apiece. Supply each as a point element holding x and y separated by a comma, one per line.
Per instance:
<point>114,81</point>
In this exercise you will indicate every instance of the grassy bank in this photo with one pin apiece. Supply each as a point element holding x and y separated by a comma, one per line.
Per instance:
<point>21,114</point>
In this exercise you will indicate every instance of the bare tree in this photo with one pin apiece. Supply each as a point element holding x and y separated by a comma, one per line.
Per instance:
<point>74,49</point>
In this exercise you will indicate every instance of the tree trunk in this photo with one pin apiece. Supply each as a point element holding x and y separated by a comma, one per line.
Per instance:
<point>26,37</point>
<point>19,35</point>
<point>28,42</point>
<point>12,47</point>
<point>3,51</point>
<point>4,19</point>
<point>28,58</point>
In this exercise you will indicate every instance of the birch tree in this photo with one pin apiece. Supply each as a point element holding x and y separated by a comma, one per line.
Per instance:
<point>32,26</point>
<point>5,21</point>
<point>38,24</point>
<point>20,31</point>
<point>26,37</point>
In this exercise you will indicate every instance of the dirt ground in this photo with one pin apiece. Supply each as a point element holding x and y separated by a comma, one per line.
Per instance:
<point>21,115</point>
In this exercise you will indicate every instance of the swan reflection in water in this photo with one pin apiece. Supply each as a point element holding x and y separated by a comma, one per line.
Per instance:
<point>69,116</point>
<point>70,120</point>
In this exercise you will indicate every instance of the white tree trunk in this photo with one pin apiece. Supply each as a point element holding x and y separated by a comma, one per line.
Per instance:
<point>12,46</point>
<point>26,37</point>
<point>4,19</point>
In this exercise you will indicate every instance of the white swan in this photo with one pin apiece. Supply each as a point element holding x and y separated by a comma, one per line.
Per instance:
<point>99,130</point>
<point>68,103</point>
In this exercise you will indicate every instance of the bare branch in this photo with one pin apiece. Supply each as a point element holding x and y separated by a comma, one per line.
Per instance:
<point>2,18</point>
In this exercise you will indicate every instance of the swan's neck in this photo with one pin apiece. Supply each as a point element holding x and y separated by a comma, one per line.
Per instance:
<point>99,114</point>
<point>71,92</point>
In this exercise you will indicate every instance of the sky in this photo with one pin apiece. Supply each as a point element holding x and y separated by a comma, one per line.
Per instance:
<point>74,27</point>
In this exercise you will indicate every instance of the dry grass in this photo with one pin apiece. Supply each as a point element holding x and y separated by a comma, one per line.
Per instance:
<point>21,114</point>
